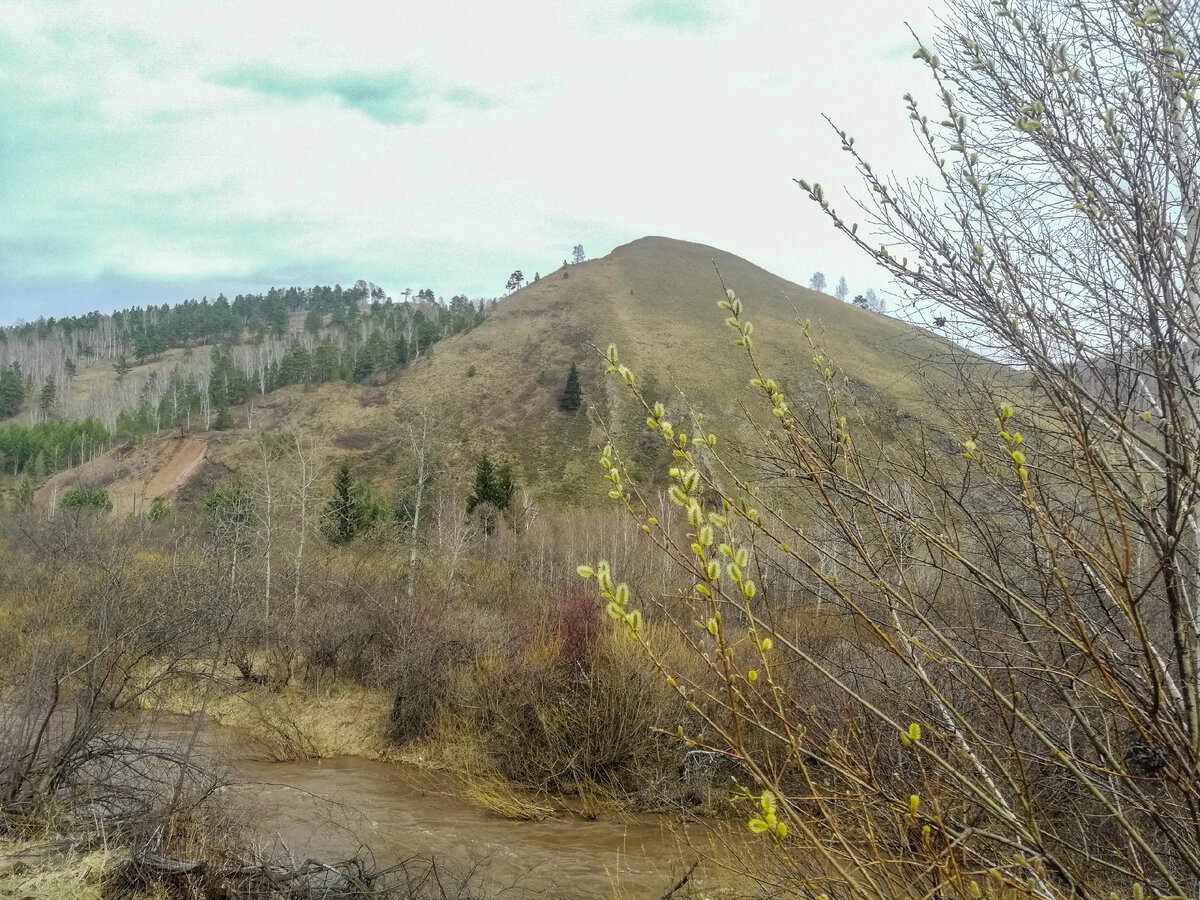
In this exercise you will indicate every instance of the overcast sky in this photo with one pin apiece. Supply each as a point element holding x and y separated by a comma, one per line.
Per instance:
<point>155,151</point>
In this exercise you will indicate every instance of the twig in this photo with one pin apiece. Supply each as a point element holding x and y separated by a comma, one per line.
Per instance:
<point>681,882</point>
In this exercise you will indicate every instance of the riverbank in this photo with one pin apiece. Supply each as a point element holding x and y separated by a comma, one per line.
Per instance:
<point>388,813</point>
<point>331,808</point>
<point>282,723</point>
<point>294,724</point>
<point>522,746</point>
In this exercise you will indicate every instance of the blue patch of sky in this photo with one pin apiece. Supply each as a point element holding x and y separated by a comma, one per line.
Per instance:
<point>470,98</point>
<point>394,98</point>
<point>681,15</point>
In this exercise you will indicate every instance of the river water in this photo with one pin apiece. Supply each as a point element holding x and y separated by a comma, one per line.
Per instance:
<point>333,809</point>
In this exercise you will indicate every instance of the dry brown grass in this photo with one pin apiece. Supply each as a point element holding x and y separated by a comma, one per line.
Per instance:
<point>499,797</point>
<point>67,876</point>
<point>292,722</point>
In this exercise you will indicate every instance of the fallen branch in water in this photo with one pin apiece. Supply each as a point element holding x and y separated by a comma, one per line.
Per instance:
<point>681,882</point>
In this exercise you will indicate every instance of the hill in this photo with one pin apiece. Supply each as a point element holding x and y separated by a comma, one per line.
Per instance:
<point>495,388</point>
<point>656,298</point>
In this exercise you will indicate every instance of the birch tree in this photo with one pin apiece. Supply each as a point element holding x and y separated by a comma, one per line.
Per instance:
<point>413,503</point>
<point>266,494</point>
<point>301,495</point>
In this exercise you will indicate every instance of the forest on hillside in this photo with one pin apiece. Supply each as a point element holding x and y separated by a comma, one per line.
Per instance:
<point>229,352</point>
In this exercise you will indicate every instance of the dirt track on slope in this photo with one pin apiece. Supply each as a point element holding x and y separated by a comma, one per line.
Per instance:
<point>134,476</point>
<point>183,463</point>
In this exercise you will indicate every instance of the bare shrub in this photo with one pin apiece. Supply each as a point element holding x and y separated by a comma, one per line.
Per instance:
<point>571,723</point>
<point>102,629</point>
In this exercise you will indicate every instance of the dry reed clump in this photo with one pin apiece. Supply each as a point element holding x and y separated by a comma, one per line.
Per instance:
<point>498,797</point>
<point>286,723</point>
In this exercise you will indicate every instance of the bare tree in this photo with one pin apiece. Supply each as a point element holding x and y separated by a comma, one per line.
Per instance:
<point>302,499</point>
<point>414,502</point>
<point>456,531</point>
<point>153,389</point>
<point>266,508</point>
<point>99,640</point>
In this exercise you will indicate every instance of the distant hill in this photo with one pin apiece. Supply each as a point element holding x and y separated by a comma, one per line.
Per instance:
<point>495,388</point>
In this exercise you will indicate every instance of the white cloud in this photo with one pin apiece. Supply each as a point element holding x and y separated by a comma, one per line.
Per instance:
<point>400,132</point>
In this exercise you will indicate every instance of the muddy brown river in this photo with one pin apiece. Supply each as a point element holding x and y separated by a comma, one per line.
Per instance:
<point>336,808</point>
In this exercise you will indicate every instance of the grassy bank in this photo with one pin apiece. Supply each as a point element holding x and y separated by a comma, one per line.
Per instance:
<point>284,723</point>
<point>30,868</point>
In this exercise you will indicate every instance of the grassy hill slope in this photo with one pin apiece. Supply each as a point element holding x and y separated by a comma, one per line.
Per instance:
<point>656,298</point>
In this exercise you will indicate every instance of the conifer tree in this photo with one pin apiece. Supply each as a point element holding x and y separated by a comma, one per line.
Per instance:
<point>48,396</point>
<point>492,492</point>
<point>571,397</point>
<point>481,492</point>
<point>343,514</point>
<point>224,417</point>
<point>12,393</point>
<point>24,498</point>
<point>80,500</point>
